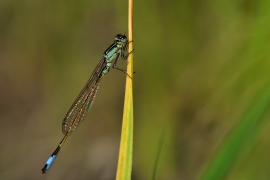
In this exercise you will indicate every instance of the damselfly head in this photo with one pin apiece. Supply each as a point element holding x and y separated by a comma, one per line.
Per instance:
<point>120,38</point>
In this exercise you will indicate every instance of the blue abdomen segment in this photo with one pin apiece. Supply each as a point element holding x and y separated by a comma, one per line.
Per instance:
<point>48,163</point>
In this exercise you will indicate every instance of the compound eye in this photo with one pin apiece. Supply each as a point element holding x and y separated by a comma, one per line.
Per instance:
<point>118,36</point>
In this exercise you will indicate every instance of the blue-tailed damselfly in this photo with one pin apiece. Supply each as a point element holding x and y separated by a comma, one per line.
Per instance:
<point>84,101</point>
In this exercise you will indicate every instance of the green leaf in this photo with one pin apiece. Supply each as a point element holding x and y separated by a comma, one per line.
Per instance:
<point>239,139</point>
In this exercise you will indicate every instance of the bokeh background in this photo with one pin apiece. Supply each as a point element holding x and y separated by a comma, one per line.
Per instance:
<point>201,68</point>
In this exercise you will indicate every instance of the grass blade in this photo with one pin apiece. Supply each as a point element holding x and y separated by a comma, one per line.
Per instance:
<point>126,143</point>
<point>239,139</point>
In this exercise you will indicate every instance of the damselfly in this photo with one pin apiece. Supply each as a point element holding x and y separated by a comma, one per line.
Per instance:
<point>84,101</point>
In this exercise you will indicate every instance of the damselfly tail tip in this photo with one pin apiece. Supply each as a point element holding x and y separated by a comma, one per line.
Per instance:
<point>48,164</point>
<point>44,169</point>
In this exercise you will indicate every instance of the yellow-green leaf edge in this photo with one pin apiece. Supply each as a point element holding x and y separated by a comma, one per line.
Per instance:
<point>126,143</point>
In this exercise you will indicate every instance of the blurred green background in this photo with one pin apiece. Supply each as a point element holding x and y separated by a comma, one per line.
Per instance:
<point>201,98</point>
